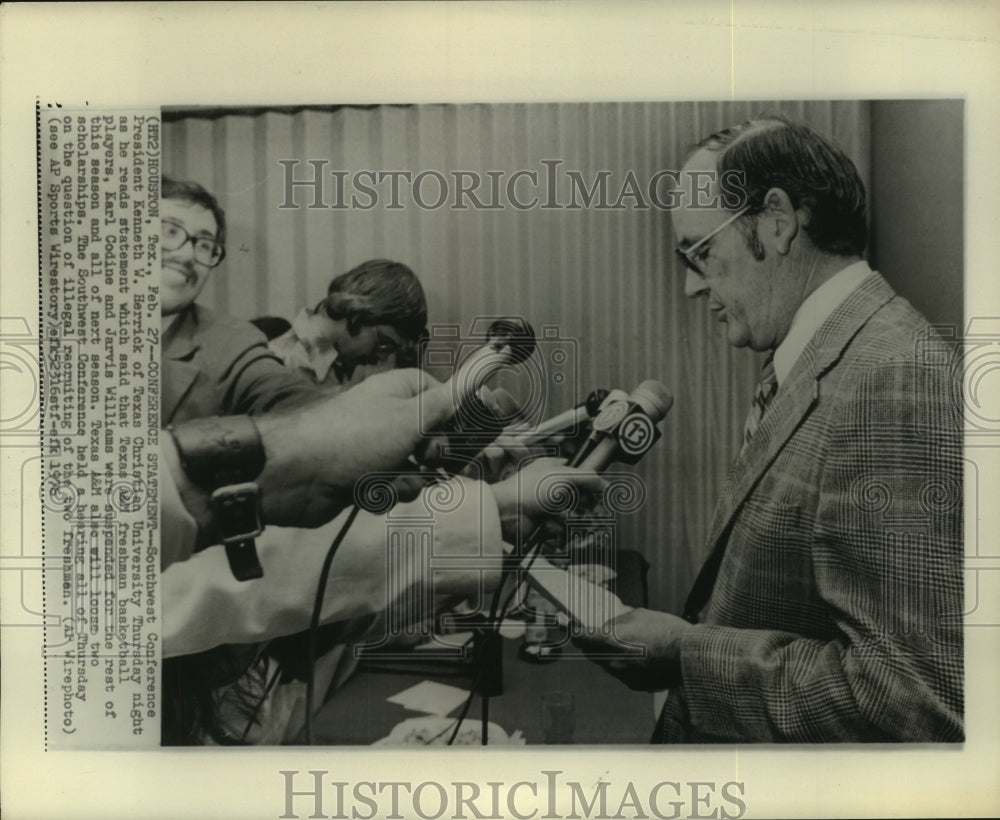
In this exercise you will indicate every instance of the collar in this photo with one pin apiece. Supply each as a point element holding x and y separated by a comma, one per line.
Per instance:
<point>815,310</point>
<point>303,347</point>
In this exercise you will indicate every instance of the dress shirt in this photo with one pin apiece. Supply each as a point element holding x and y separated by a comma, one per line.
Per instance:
<point>816,309</point>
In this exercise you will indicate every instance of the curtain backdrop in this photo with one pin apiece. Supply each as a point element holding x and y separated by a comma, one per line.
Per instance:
<point>603,281</point>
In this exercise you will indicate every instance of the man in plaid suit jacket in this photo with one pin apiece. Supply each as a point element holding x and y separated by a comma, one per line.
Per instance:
<point>829,605</point>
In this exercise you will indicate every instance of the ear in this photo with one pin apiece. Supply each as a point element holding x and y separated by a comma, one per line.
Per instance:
<point>785,219</point>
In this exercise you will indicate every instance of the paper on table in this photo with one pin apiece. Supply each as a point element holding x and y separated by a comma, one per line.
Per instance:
<point>589,604</point>
<point>430,697</point>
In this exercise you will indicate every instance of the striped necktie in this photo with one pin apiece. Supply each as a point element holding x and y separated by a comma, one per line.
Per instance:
<point>762,395</point>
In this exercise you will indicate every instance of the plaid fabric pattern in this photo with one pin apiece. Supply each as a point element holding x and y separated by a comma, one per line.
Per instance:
<point>766,387</point>
<point>829,608</point>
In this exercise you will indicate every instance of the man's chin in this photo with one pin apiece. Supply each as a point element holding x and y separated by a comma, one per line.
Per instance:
<point>173,304</point>
<point>737,335</point>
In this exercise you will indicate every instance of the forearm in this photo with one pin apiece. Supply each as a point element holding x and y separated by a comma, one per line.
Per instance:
<point>286,484</point>
<point>205,606</point>
<point>861,639</point>
<point>304,481</point>
<point>257,382</point>
<point>746,685</point>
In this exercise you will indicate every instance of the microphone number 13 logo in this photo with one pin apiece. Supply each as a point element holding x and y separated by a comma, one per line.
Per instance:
<point>635,435</point>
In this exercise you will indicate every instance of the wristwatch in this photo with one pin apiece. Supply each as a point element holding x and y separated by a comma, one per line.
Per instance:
<point>224,455</point>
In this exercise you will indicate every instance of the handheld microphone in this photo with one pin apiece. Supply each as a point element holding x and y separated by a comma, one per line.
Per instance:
<point>595,401</point>
<point>604,421</point>
<point>515,333</point>
<point>569,421</point>
<point>509,342</point>
<point>625,430</point>
<point>480,415</point>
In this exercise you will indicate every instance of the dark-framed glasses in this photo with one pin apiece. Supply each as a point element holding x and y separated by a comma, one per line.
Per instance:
<point>689,256</point>
<point>384,344</point>
<point>206,250</point>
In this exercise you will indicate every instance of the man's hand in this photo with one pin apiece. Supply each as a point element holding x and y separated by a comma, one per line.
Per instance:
<point>658,633</point>
<point>500,460</point>
<point>544,488</point>
<point>316,453</point>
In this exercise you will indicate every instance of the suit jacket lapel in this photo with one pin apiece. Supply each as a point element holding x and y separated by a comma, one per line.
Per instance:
<point>792,403</point>
<point>794,400</point>
<point>180,342</point>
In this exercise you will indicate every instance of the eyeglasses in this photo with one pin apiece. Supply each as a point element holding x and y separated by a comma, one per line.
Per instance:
<point>384,345</point>
<point>687,255</point>
<point>206,251</point>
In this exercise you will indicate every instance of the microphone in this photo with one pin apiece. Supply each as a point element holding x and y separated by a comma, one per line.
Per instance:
<point>509,341</point>
<point>603,422</point>
<point>569,421</point>
<point>480,415</point>
<point>480,420</point>
<point>625,430</point>
<point>595,401</point>
<point>515,333</point>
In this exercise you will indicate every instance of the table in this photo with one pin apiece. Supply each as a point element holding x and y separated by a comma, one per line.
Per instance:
<point>607,712</point>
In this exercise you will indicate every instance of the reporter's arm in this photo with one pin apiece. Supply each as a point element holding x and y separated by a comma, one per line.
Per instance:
<point>204,605</point>
<point>313,455</point>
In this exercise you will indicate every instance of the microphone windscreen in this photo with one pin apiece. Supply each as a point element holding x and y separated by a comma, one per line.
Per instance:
<point>516,332</point>
<point>654,398</point>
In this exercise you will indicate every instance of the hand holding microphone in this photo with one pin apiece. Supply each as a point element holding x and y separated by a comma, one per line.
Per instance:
<point>479,415</point>
<point>623,430</point>
<point>525,499</point>
<point>520,442</point>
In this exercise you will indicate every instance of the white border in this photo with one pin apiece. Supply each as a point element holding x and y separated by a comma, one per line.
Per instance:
<point>180,53</point>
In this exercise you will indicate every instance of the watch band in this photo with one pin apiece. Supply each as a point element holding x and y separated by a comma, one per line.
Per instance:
<point>237,516</point>
<point>219,450</point>
<point>223,455</point>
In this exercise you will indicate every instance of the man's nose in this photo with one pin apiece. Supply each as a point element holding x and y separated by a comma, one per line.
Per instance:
<point>694,285</point>
<point>184,253</point>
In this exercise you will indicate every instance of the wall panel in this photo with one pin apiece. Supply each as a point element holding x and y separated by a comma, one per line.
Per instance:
<point>605,278</point>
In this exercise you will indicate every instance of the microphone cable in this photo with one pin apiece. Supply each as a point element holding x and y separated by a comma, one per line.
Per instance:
<point>313,631</point>
<point>317,611</point>
<point>324,576</point>
<point>256,710</point>
<point>530,546</point>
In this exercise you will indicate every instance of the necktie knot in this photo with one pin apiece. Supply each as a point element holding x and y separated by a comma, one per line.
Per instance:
<point>763,393</point>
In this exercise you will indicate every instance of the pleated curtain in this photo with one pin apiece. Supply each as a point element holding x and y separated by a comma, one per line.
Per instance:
<point>602,282</point>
